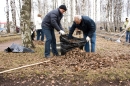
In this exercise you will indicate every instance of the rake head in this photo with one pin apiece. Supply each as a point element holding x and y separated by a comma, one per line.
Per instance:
<point>118,41</point>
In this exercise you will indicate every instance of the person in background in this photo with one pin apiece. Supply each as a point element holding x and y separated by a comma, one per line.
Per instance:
<point>17,29</point>
<point>51,21</point>
<point>88,27</point>
<point>126,26</point>
<point>32,34</point>
<point>32,27</point>
<point>39,30</point>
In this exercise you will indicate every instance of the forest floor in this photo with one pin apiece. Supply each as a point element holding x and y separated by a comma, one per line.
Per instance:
<point>108,66</point>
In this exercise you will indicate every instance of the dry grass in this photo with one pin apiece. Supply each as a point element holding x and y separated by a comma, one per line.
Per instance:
<point>118,71</point>
<point>9,38</point>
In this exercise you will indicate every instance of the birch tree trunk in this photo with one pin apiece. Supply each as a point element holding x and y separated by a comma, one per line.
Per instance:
<point>63,19</point>
<point>25,23</point>
<point>128,8</point>
<point>55,3</point>
<point>107,16</point>
<point>71,11</point>
<point>20,4</point>
<point>111,9</point>
<point>84,7</point>
<point>78,10</point>
<point>20,8</point>
<point>117,13</point>
<point>32,13</point>
<point>89,7</point>
<point>45,7</point>
<point>103,13</point>
<point>66,16</point>
<point>7,16</point>
<point>39,6</point>
<point>96,10</point>
<point>93,10</point>
<point>13,11</point>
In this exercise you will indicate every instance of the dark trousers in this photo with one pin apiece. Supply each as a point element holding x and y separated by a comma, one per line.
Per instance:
<point>40,33</point>
<point>50,41</point>
<point>92,41</point>
<point>128,36</point>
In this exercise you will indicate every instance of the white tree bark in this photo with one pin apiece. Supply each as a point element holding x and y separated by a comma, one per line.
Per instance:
<point>13,11</point>
<point>96,11</point>
<point>78,8</point>
<point>25,23</point>
<point>7,16</point>
<point>128,8</point>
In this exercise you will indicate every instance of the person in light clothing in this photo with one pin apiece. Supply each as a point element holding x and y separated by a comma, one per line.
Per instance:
<point>39,30</point>
<point>127,28</point>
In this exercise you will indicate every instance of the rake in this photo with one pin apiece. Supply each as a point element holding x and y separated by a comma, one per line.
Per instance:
<point>118,40</point>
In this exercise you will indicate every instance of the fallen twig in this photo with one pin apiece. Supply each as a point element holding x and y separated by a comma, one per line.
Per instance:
<point>23,67</point>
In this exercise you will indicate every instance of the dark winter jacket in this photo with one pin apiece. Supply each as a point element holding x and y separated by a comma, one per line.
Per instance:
<point>87,25</point>
<point>52,20</point>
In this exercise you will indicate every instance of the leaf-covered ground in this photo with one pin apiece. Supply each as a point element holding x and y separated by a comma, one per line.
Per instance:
<point>109,66</point>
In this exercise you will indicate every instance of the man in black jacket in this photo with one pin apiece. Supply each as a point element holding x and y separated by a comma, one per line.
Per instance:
<point>88,26</point>
<point>51,21</point>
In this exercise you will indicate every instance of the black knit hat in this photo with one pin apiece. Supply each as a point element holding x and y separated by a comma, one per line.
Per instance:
<point>63,7</point>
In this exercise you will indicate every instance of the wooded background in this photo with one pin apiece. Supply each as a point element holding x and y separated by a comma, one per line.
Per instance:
<point>108,14</point>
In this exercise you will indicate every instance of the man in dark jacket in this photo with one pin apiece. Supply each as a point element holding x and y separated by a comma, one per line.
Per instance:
<point>51,21</point>
<point>88,26</point>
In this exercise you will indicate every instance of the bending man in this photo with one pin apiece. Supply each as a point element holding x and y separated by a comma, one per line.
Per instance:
<point>88,26</point>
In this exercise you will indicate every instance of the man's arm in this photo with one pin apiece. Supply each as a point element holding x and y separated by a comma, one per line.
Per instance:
<point>61,26</point>
<point>71,30</point>
<point>54,22</point>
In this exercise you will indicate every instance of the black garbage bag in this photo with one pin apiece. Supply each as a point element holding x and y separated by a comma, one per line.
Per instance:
<point>69,44</point>
<point>15,48</point>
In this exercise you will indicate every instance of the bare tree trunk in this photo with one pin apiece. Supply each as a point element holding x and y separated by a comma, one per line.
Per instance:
<point>103,14</point>
<point>19,8</point>
<point>110,16</point>
<point>32,12</point>
<point>107,16</point>
<point>89,8</point>
<point>7,16</point>
<point>78,10</point>
<point>95,10</point>
<point>25,23</point>
<point>39,6</point>
<point>66,15</point>
<point>54,4</point>
<point>72,11</point>
<point>20,4</point>
<point>117,13</point>
<point>13,10</point>
<point>128,7</point>
<point>84,7</point>
<point>45,7</point>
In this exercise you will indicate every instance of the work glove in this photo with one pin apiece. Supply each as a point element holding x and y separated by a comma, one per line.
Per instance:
<point>87,38</point>
<point>62,32</point>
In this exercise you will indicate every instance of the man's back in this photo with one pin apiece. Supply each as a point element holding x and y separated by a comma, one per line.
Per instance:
<point>51,18</point>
